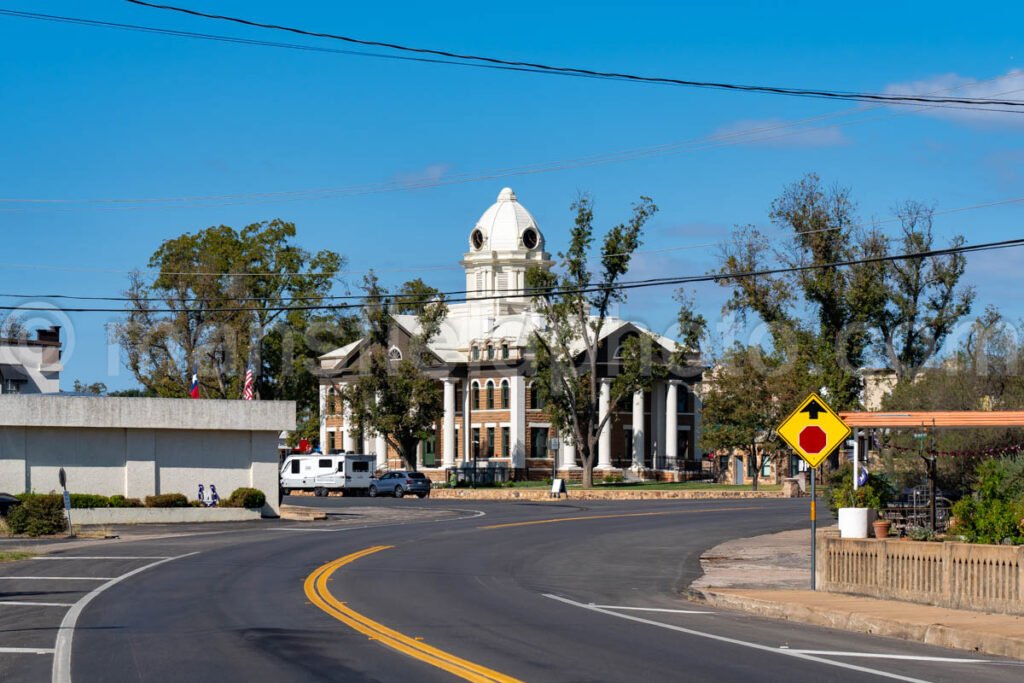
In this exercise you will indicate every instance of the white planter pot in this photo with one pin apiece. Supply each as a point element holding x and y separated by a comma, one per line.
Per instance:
<point>855,522</point>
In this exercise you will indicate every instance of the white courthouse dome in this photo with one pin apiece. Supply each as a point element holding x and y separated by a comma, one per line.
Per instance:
<point>506,226</point>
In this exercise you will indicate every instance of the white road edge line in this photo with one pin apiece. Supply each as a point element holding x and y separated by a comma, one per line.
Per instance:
<point>101,557</point>
<point>13,603</point>
<point>741,643</point>
<point>652,609</point>
<point>56,578</point>
<point>911,658</point>
<point>62,649</point>
<point>26,651</point>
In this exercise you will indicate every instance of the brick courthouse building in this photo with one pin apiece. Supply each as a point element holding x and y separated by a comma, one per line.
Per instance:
<point>483,362</point>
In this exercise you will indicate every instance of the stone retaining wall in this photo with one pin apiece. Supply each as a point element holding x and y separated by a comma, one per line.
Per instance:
<point>956,575</point>
<point>580,494</point>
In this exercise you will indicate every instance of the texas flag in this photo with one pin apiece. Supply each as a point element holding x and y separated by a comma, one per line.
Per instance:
<point>194,391</point>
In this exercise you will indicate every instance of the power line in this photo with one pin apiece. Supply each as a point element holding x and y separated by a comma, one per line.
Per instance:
<point>96,23</point>
<point>557,291</point>
<point>763,89</point>
<point>339,273</point>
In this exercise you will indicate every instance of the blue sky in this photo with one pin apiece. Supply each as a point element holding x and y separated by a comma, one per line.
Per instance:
<point>90,113</point>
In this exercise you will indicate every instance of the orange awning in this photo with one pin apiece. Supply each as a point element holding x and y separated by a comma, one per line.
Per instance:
<point>949,419</point>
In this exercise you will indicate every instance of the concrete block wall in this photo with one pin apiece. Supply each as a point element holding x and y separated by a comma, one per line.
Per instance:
<point>136,451</point>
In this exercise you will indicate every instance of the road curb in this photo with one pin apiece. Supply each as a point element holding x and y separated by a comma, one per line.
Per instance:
<point>929,634</point>
<point>512,494</point>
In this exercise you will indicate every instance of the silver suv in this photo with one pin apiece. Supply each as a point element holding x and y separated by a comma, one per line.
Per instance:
<point>399,483</point>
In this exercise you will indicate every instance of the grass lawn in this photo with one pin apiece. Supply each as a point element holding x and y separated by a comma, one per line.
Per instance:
<point>13,555</point>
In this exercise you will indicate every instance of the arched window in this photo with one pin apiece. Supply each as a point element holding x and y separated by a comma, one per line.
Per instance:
<point>504,351</point>
<point>332,401</point>
<point>475,398</point>
<point>395,353</point>
<point>536,403</point>
<point>490,394</point>
<point>504,394</point>
<point>621,349</point>
<point>475,352</point>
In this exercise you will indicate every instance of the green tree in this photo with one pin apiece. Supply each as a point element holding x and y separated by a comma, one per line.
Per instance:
<point>837,316</point>
<point>982,373</point>
<point>413,296</point>
<point>397,397</point>
<point>575,306</point>
<point>223,299</point>
<point>748,394</point>
<point>910,305</point>
<point>96,388</point>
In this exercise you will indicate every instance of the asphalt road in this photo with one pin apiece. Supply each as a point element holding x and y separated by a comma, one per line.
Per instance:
<point>503,591</point>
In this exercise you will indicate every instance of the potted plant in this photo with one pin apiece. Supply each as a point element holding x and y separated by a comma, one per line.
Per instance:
<point>881,527</point>
<point>858,508</point>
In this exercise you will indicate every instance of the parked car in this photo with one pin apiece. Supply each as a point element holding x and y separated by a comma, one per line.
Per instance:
<point>399,483</point>
<point>7,501</point>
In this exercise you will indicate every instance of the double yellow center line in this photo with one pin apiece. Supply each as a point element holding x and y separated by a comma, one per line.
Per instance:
<point>318,594</point>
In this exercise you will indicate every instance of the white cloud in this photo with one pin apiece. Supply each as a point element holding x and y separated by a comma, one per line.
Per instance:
<point>424,177</point>
<point>780,133</point>
<point>1008,86</point>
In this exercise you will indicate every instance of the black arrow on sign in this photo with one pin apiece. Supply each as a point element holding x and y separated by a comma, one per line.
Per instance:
<point>813,409</point>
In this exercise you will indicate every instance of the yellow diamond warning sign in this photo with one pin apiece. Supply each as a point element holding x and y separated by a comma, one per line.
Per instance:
<point>813,430</point>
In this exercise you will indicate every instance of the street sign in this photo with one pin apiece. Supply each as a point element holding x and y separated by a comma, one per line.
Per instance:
<point>813,430</point>
<point>67,501</point>
<point>62,476</point>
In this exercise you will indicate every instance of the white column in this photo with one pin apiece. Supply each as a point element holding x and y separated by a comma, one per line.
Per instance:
<point>659,447</point>
<point>448,432</point>
<point>568,454</point>
<point>323,418</point>
<point>348,436</point>
<point>672,418</point>
<point>517,421</point>
<point>697,408</point>
<point>604,442</point>
<point>856,458</point>
<point>419,455</point>
<point>638,429</point>
<point>467,421</point>
<point>380,448</point>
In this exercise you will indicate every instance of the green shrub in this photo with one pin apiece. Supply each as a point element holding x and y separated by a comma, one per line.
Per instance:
<point>874,494</point>
<point>167,500</point>
<point>920,533</point>
<point>38,515</point>
<point>119,501</point>
<point>995,513</point>
<point>246,498</point>
<point>612,479</point>
<point>81,501</point>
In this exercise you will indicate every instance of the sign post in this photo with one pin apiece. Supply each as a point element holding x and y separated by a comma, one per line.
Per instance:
<point>62,477</point>
<point>813,430</point>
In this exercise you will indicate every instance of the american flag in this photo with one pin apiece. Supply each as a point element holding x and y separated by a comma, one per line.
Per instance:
<point>247,392</point>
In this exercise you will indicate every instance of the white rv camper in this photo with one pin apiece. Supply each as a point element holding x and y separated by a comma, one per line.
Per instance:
<point>348,473</point>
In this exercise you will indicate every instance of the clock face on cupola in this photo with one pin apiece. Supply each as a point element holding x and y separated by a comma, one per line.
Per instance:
<point>503,244</point>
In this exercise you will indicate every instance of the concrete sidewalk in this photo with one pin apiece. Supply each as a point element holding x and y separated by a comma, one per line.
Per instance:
<point>770,576</point>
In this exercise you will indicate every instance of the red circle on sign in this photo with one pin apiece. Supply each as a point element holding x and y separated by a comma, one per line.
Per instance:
<point>813,439</point>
